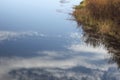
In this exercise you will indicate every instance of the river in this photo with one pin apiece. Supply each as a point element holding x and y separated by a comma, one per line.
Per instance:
<point>39,40</point>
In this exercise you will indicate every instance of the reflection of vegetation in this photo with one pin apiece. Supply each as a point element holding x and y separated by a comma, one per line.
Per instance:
<point>110,42</point>
<point>101,21</point>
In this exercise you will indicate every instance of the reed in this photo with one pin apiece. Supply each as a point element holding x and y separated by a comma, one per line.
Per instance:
<point>104,9</point>
<point>104,14</point>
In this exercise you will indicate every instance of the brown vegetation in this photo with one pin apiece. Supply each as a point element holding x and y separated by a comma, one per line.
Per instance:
<point>100,20</point>
<point>103,14</point>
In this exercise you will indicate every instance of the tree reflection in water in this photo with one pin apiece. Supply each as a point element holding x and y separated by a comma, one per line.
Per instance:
<point>96,38</point>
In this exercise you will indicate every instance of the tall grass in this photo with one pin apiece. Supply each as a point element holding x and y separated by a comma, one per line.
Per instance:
<point>104,14</point>
<point>104,9</point>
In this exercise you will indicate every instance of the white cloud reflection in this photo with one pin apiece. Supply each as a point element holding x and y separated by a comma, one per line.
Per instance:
<point>92,58</point>
<point>6,35</point>
<point>76,35</point>
<point>60,59</point>
<point>100,50</point>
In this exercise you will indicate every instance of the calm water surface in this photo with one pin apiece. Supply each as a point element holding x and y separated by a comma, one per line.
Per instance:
<point>38,41</point>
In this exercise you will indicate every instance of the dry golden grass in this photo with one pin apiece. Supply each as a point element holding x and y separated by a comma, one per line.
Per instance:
<point>104,9</point>
<point>104,14</point>
<point>104,26</point>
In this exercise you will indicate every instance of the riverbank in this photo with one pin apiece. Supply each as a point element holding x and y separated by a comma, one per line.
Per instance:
<point>102,16</point>
<point>100,20</point>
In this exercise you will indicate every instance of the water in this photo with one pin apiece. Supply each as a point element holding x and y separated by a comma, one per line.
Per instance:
<point>38,41</point>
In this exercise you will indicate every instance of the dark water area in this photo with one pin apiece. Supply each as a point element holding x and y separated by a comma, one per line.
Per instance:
<point>40,41</point>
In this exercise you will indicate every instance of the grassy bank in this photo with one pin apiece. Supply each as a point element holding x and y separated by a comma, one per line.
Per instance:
<point>100,20</point>
<point>102,16</point>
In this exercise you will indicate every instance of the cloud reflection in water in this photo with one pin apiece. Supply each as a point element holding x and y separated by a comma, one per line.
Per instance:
<point>68,62</point>
<point>6,35</point>
<point>77,61</point>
